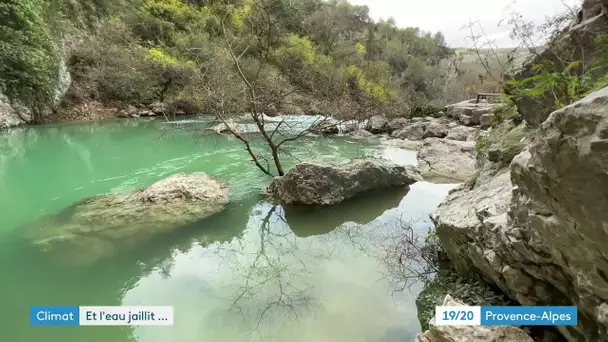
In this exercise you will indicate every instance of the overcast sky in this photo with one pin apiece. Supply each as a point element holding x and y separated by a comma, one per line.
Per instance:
<point>449,16</point>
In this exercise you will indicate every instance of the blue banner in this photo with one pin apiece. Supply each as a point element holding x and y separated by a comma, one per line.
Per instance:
<point>54,315</point>
<point>101,315</point>
<point>529,315</point>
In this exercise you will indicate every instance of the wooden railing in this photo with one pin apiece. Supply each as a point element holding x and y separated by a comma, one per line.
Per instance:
<point>487,96</point>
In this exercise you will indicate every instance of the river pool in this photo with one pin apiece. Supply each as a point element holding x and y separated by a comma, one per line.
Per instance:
<point>255,272</point>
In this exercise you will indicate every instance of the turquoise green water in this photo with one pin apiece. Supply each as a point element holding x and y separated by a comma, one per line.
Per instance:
<point>255,272</point>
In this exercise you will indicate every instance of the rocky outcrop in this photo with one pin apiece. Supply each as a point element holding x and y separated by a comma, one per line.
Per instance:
<point>469,112</point>
<point>413,132</point>
<point>436,130</point>
<point>397,124</point>
<point>575,43</point>
<point>469,333</point>
<point>377,124</point>
<point>100,226</point>
<point>14,113</point>
<point>463,133</point>
<point>326,127</point>
<point>324,184</point>
<point>447,158</point>
<point>542,238</point>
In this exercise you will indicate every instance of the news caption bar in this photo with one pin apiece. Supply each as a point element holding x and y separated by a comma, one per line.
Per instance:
<point>506,315</point>
<point>101,315</point>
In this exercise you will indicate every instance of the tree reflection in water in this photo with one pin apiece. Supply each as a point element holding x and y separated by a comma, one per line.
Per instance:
<point>271,276</point>
<point>274,267</point>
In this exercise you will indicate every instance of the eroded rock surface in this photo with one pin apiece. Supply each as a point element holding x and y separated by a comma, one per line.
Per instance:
<point>377,124</point>
<point>543,239</point>
<point>412,132</point>
<point>326,184</point>
<point>102,225</point>
<point>469,112</point>
<point>447,158</point>
<point>468,333</point>
<point>463,133</point>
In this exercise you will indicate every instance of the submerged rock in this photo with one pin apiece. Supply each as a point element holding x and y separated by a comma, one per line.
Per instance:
<point>469,333</point>
<point>324,184</point>
<point>542,239</point>
<point>447,158</point>
<point>99,226</point>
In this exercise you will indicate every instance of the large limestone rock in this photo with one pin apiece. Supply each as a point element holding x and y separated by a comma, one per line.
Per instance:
<point>436,130</point>
<point>397,124</point>
<point>469,112</point>
<point>377,124</point>
<point>11,114</point>
<point>100,226</point>
<point>463,133</point>
<point>575,43</point>
<point>412,132</point>
<point>14,113</point>
<point>468,333</point>
<point>447,158</point>
<point>544,238</point>
<point>328,127</point>
<point>323,184</point>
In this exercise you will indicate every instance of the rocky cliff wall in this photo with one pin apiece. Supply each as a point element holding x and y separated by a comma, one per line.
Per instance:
<point>539,229</point>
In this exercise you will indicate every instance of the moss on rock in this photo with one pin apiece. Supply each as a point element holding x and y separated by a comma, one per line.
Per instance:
<point>471,291</point>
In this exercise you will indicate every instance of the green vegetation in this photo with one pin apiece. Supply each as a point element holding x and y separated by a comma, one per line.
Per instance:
<point>564,82</point>
<point>503,142</point>
<point>28,54</point>
<point>469,288</point>
<point>505,111</point>
<point>141,51</point>
<point>471,291</point>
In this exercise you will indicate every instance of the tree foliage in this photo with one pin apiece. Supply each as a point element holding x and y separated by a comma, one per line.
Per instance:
<point>131,50</point>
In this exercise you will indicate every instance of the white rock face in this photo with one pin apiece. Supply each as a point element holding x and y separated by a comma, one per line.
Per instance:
<point>543,239</point>
<point>466,333</point>
<point>468,112</point>
<point>12,113</point>
<point>447,158</point>
<point>463,133</point>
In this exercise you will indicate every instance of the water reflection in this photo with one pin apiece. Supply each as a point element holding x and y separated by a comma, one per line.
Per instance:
<point>255,272</point>
<point>307,221</point>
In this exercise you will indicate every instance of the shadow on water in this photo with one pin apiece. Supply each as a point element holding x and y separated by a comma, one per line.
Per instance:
<point>310,221</point>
